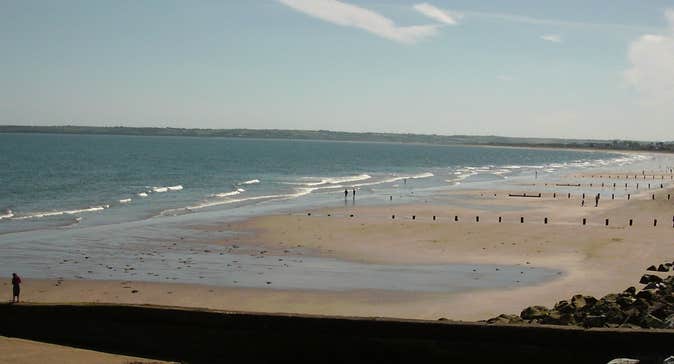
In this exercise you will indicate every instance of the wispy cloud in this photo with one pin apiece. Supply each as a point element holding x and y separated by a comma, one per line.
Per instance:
<point>555,38</point>
<point>349,15</point>
<point>442,16</point>
<point>516,18</point>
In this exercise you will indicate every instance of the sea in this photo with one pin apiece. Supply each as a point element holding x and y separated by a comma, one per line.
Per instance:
<point>114,198</point>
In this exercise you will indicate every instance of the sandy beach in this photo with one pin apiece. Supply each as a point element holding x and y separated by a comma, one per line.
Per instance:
<point>592,259</point>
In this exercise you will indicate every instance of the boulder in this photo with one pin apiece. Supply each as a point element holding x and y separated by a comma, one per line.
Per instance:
<point>564,307</point>
<point>663,268</point>
<point>669,322</point>
<point>652,268</point>
<point>594,321</point>
<point>625,301</point>
<point>535,313</point>
<point>630,291</point>
<point>581,302</point>
<point>651,322</point>
<point>648,278</point>
<point>652,285</point>
<point>558,318</point>
<point>669,360</point>
<point>647,294</point>
<point>505,319</point>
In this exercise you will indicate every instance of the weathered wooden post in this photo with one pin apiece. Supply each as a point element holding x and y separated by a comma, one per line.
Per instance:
<point>499,219</point>
<point>545,221</point>
<point>584,221</point>
<point>477,219</point>
<point>522,220</point>
<point>456,218</point>
<point>631,222</point>
<point>606,222</point>
<point>414,217</point>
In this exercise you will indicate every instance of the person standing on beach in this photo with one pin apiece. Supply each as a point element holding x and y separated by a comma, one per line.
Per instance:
<point>354,194</point>
<point>596,201</point>
<point>346,193</point>
<point>16,288</point>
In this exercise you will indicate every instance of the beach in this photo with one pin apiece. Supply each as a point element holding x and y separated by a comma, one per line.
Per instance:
<point>592,259</point>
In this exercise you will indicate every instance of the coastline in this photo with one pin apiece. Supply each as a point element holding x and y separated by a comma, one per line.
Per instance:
<point>592,259</point>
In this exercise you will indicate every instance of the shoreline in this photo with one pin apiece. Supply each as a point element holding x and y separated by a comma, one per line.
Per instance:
<point>590,259</point>
<point>585,255</point>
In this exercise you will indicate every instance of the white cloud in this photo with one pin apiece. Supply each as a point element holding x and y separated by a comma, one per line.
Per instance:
<point>555,38</point>
<point>349,15</point>
<point>440,15</point>
<point>652,66</point>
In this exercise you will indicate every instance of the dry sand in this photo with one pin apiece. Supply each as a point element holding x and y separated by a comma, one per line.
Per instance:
<point>18,351</point>
<point>592,259</point>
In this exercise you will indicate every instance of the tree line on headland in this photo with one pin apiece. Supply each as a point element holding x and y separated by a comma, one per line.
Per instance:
<point>487,140</point>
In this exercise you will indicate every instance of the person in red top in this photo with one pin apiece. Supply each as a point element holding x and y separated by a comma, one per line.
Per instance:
<point>16,287</point>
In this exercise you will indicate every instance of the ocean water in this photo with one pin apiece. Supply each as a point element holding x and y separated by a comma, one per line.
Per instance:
<point>65,180</point>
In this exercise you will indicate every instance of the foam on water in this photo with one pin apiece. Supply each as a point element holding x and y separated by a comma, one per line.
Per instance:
<point>250,182</point>
<point>38,215</point>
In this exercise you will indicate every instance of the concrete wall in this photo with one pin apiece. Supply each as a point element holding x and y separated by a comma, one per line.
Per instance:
<point>201,336</point>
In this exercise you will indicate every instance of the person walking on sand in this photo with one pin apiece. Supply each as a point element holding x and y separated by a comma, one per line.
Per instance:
<point>582,203</point>
<point>16,287</point>
<point>596,201</point>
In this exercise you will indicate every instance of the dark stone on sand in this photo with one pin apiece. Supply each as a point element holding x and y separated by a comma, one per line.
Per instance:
<point>594,321</point>
<point>663,268</point>
<point>652,322</point>
<point>505,319</point>
<point>648,278</point>
<point>535,312</point>
<point>646,294</point>
<point>652,268</point>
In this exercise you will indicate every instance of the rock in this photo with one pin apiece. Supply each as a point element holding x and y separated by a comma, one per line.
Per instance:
<point>648,278</point>
<point>652,268</point>
<point>505,319</point>
<point>646,294</point>
<point>535,313</point>
<point>443,319</point>
<point>669,323</point>
<point>564,307</point>
<point>625,301</point>
<point>581,302</point>
<point>652,322</point>
<point>558,318</point>
<point>594,321</point>
<point>669,360</point>
<point>663,268</point>
<point>624,361</point>
<point>652,285</point>
<point>631,291</point>
<point>611,297</point>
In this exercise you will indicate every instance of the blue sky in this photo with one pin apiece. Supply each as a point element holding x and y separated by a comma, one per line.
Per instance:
<point>595,69</point>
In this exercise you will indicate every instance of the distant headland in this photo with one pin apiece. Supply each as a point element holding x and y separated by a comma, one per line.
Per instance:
<point>487,140</point>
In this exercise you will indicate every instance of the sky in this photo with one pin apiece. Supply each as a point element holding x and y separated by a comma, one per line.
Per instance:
<point>572,69</point>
